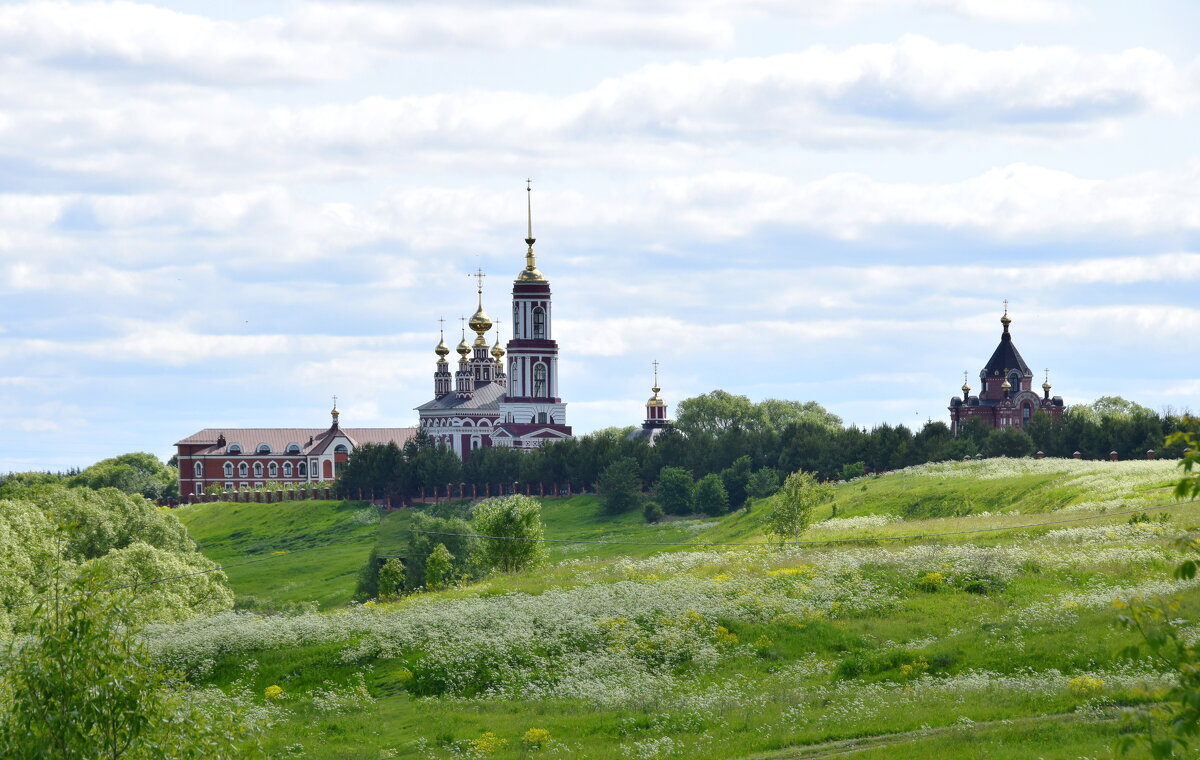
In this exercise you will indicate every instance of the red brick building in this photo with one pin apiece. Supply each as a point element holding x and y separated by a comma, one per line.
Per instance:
<point>1006,396</point>
<point>251,457</point>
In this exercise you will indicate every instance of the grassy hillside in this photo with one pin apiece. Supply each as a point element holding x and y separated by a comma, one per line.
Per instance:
<point>997,644</point>
<point>293,536</point>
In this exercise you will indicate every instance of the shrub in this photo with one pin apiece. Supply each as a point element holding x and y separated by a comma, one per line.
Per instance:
<point>709,497</point>
<point>517,522</point>
<point>439,568</point>
<point>932,582</point>
<point>620,487</point>
<point>391,579</point>
<point>673,491</point>
<point>763,483</point>
<point>653,512</point>
<point>794,504</point>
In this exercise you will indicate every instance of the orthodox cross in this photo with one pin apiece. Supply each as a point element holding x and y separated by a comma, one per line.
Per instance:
<point>1005,305</point>
<point>463,326</point>
<point>655,363</point>
<point>335,401</point>
<point>479,275</point>
<point>441,326</point>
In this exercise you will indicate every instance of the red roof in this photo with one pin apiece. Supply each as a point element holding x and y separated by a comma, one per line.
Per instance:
<point>310,440</point>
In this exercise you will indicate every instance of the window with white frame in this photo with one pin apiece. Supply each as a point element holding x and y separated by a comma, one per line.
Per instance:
<point>539,322</point>
<point>199,470</point>
<point>273,469</point>
<point>258,469</point>
<point>264,448</point>
<point>539,380</point>
<point>228,469</point>
<point>287,469</point>
<point>243,469</point>
<point>302,470</point>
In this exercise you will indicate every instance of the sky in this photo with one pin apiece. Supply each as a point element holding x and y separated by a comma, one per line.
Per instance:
<point>221,214</point>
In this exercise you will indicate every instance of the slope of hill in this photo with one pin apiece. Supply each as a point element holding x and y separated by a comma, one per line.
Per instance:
<point>998,644</point>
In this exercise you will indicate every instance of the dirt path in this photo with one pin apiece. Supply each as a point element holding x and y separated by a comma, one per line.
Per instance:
<point>848,747</point>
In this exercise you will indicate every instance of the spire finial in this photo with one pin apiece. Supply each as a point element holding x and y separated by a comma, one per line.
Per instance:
<point>1005,320</point>
<point>334,412</point>
<point>530,273</point>
<point>463,327</point>
<point>655,363</point>
<point>529,239</point>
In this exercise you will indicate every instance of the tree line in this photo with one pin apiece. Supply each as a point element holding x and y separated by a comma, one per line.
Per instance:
<point>751,447</point>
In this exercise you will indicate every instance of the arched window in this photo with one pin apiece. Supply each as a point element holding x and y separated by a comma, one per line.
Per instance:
<point>243,470</point>
<point>287,469</point>
<point>539,380</point>
<point>258,469</point>
<point>542,418</point>
<point>1026,413</point>
<point>293,448</point>
<point>302,470</point>
<point>235,448</point>
<point>264,448</point>
<point>539,322</point>
<point>340,449</point>
<point>199,469</point>
<point>273,469</point>
<point>229,469</point>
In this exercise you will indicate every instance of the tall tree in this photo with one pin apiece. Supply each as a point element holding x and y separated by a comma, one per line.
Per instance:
<point>793,507</point>
<point>673,492</point>
<point>709,496</point>
<point>515,525</point>
<point>620,486</point>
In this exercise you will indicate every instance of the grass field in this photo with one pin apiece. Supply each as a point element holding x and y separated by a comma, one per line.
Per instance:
<point>992,645</point>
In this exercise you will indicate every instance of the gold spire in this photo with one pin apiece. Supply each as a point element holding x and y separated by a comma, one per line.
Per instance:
<point>530,273</point>
<point>334,412</point>
<point>1046,385</point>
<point>442,349</point>
<point>655,400</point>
<point>1005,320</point>
<point>497,350</point>
<point>463,347</point>
<point>966,388</point>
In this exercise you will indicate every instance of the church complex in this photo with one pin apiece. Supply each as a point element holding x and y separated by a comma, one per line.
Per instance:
<point>489,400</point>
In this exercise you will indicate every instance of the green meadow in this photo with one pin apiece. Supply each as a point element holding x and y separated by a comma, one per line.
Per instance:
<point>991,635</point>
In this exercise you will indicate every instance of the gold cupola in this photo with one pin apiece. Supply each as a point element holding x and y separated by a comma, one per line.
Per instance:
<point>656,400</point>
<point>530,273</point>
<point>966,387</point>
<point>1005,320</point>
<point>480,322</point>
<point>1006,386</point>
<point>497,350</point>
<point>442,349</point>
<point>463,347</point>
<point>1046,384</point>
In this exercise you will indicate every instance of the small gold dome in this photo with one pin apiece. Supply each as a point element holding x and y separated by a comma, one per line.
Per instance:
<point>463,348</point>
<point>480,342</point>
<point>1046,385</point>
<point>442,349</point>
<point>497,351</point>
<point>1005,320</point>
<point>1006,386</point>
<point>529,274</point>
<point>966,388</point>
<point>480,322</point>
<point>655,400</point>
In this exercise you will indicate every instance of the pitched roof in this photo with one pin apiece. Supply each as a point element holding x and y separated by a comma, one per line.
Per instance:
<point>534,430</point>
<point>486,398</point>
<point>1006,357</point>
<point>310,440</point>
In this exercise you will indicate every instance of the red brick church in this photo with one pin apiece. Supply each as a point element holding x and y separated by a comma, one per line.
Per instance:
<point>1006,396</point>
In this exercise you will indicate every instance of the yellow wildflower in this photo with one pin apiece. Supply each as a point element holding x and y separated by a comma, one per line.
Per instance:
<point>273,692</point>
<point>536,738</point>
<point>488,742</point>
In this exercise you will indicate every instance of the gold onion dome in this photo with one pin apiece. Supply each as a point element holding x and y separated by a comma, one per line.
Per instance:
<point>497,351</point>
<point>442,349</point>
<point>480,322</point>
<point>480,341</point>
<point>966,388</point>
<point>1046,385</point>
<point>1005,320</point>
<point>1006,386</point>
<point>463,348</point>
<point>655,400</point>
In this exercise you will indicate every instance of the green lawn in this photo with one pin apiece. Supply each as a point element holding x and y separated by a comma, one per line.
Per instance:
<point>982,645</point>
<point>290,539</point>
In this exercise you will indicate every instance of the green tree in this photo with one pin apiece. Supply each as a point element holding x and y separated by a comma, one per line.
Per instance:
<point>516,523</point>
<point>1008,442</point>
<point>853,470</point>
<point>194,588</point>
<point>136,473</point>
<point>80,685</point>
<point>620,487</point>
<point>709,496</point>
<point>711,413</point>
<point>778,414</point>
<point>1168,728</point>
<point>673,491</point>
<point>763,483</point>
<point>793,507</point>
<point>735,478</point>
<point>391,579</point>
<point>431,530</point>
<point>652,511</point>
<point>439,568</point>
